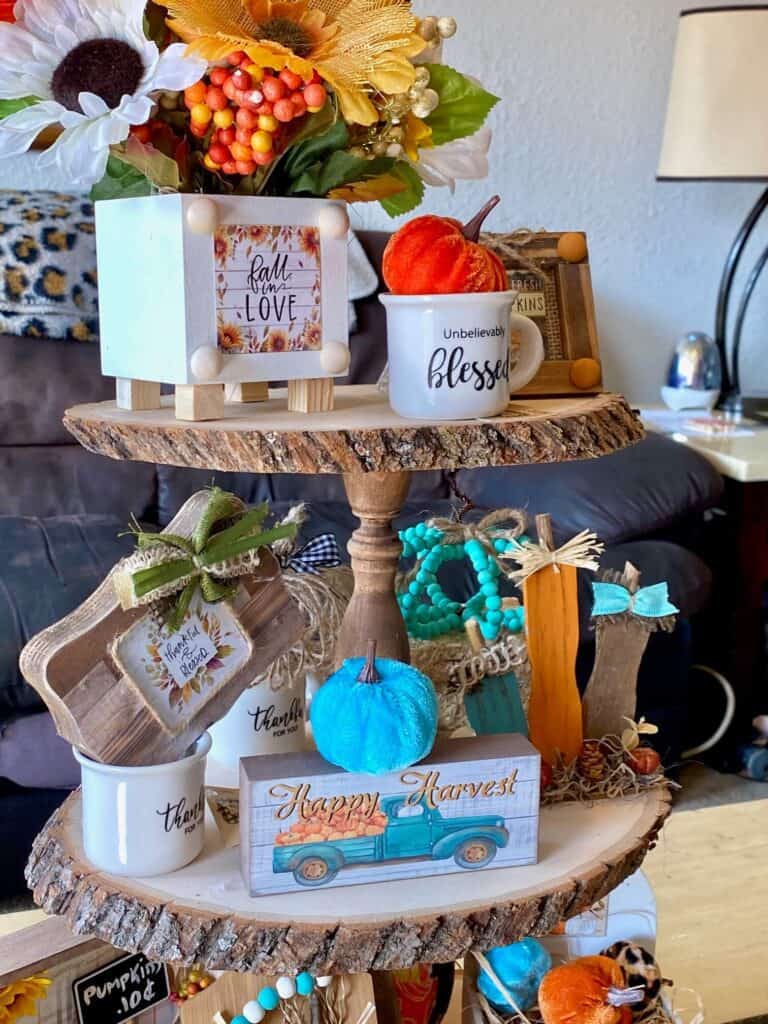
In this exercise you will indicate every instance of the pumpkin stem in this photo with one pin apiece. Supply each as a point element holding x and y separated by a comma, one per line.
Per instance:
<point>368,673</point>
<point>471,231</point>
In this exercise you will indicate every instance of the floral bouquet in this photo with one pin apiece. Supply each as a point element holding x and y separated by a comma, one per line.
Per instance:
<point>318,98</point>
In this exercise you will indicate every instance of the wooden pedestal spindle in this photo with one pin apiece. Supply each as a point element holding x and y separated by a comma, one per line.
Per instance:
<point>552,616</point>
<point>373,613</point>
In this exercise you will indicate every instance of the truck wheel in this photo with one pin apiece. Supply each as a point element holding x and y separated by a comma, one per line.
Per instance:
<point>313,872</point>
<point>475,853</point>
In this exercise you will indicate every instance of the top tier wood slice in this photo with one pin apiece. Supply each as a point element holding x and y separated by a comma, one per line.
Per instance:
<point>202,914</point>
<point>362,435</point>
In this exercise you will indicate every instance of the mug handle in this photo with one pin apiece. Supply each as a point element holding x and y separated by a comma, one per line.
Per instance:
<point>531,352</point>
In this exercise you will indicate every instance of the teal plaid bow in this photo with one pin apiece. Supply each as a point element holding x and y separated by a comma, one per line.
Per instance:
<point>649,602</point>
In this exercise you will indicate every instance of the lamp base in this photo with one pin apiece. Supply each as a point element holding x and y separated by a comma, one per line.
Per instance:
<point>738,407</point>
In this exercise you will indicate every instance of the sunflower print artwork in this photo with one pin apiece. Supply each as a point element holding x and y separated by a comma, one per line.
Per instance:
<point>268,288</point>
<point>158,672</point>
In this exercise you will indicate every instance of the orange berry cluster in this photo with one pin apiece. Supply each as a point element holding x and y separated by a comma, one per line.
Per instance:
<point>241,110</point>
<point>319,829</point>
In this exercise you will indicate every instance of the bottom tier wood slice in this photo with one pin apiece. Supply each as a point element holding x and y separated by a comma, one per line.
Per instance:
<point>203,914</point>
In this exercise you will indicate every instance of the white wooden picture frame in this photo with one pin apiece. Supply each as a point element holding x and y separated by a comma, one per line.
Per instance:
<point>202,291</point>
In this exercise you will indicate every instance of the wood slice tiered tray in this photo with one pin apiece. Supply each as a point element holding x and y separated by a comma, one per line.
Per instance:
<point>376,451</point>
<point>203,914</point>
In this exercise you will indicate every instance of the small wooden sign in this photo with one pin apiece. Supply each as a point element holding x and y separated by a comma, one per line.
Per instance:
<point>560,301</point>
<point>124,690</point>
<point>304,824</point>
<point>120,990</point>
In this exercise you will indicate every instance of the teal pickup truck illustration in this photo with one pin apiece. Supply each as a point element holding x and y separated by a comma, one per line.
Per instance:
<point>405,831</point>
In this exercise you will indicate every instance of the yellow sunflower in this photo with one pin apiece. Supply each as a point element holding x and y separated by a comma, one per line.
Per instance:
<point>357,46</point>
<point>230,338</point>
<point>276,341</point>
<point>312,339</point>
<point>20,998</point>
<point>222,246</point>
<point>309,242</point>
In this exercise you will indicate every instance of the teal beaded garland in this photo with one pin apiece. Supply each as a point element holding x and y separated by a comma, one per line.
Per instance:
<point>429,613</point>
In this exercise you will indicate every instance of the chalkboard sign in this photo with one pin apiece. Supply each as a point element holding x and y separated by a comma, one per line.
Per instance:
<point>120,990</point>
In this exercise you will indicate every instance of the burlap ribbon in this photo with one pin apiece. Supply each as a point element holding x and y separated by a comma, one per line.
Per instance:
<point>168,564</point>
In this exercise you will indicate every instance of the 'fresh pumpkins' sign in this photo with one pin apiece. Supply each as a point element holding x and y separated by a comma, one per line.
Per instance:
<point>472,804</point>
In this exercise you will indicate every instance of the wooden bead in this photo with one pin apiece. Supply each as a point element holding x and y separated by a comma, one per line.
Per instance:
<point>572,247</point>
<point>254,1012</point>
<point>203,216</point>
<point>334,358</point>
<point>323,981</point>
<point>333,222</point>
<point>286,987</point>
<point>586,374</point>
<point>205,363</point>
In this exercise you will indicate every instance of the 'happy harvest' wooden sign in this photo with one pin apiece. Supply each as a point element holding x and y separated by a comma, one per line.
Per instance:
<point>304,824</point>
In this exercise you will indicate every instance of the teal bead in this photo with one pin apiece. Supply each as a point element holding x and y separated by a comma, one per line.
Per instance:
<point>305,984</point>
<point>434,590</point>
<point>484,577</point>
<point>423,613</point>
<point>500,545</point>
<point>494,618</point>
<point>239,1019</point>
<point>494,570</point>
<point>407,600</point>
<point>489,632</point>
<point>493,604</point>
<point>421,530</point>
<point>454,621</point>
<point>268,999</point>
<point>489,589</point>
<point>414,588</point>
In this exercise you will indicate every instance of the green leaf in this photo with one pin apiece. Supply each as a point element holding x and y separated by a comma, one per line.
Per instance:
<point>8,107</point>
<point>155,27</point>
<point>404,202</point>
<point>315,149</point>
<point>121,182</point>
<point>341,168</point>
<point>464,105</point>
<point>161,170</point>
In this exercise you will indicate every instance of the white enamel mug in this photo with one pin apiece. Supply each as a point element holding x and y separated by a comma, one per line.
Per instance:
<point>148,820</point>
<point>450,356</point>
<point>261,721</point>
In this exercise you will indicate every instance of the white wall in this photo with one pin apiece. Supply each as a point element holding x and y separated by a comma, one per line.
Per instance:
<point>584,86</point>
<point>578,134</point>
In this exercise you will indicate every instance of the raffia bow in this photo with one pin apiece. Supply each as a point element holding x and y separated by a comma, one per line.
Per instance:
<point>167,564</point>
<point>581,552</point>
<point>503,524</point>
<point>509,248</point>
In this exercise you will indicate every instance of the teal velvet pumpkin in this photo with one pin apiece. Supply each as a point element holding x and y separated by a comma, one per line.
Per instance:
<point>375,715</point>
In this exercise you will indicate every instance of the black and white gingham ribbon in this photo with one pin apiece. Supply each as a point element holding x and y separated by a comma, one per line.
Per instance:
<point>321,552</point>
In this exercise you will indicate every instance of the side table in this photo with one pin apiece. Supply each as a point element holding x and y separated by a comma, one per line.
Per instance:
<point>743,462</point>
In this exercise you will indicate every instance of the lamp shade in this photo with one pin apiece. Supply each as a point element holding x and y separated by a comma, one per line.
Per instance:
<point>717,118</point>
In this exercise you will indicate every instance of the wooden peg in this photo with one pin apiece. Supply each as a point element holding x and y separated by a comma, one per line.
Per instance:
<point>196,402</point>
<point>137,395</point>
<point>250,391</point>
<point>311,395</point>
<point>476,638</point>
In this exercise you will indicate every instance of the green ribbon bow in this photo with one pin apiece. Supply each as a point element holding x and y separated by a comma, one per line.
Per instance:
<point>207,560</point>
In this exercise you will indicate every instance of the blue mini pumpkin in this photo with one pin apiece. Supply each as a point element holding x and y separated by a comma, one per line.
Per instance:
<point>375,715</point>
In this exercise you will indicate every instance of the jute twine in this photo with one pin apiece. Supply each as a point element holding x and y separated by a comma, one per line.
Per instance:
<point>323,600</point>
<point>509,248</point>
<point>455,670</point>
<point>504,524</point>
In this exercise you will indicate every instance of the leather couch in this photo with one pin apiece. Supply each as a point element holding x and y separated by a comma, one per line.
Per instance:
<point>62,511</point>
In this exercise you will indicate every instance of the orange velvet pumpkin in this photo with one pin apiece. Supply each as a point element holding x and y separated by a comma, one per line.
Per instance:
<point>580,992</point>
<point>440,256</point>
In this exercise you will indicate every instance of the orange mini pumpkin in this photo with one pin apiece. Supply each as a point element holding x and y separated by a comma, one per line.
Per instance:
<point>440,256</point>
<point>591,990</point>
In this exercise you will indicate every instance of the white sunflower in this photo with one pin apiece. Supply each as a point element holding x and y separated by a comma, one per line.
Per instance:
<point>91,70</point>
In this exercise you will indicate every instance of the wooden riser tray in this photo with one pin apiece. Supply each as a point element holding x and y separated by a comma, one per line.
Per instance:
<point>203,913</point>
